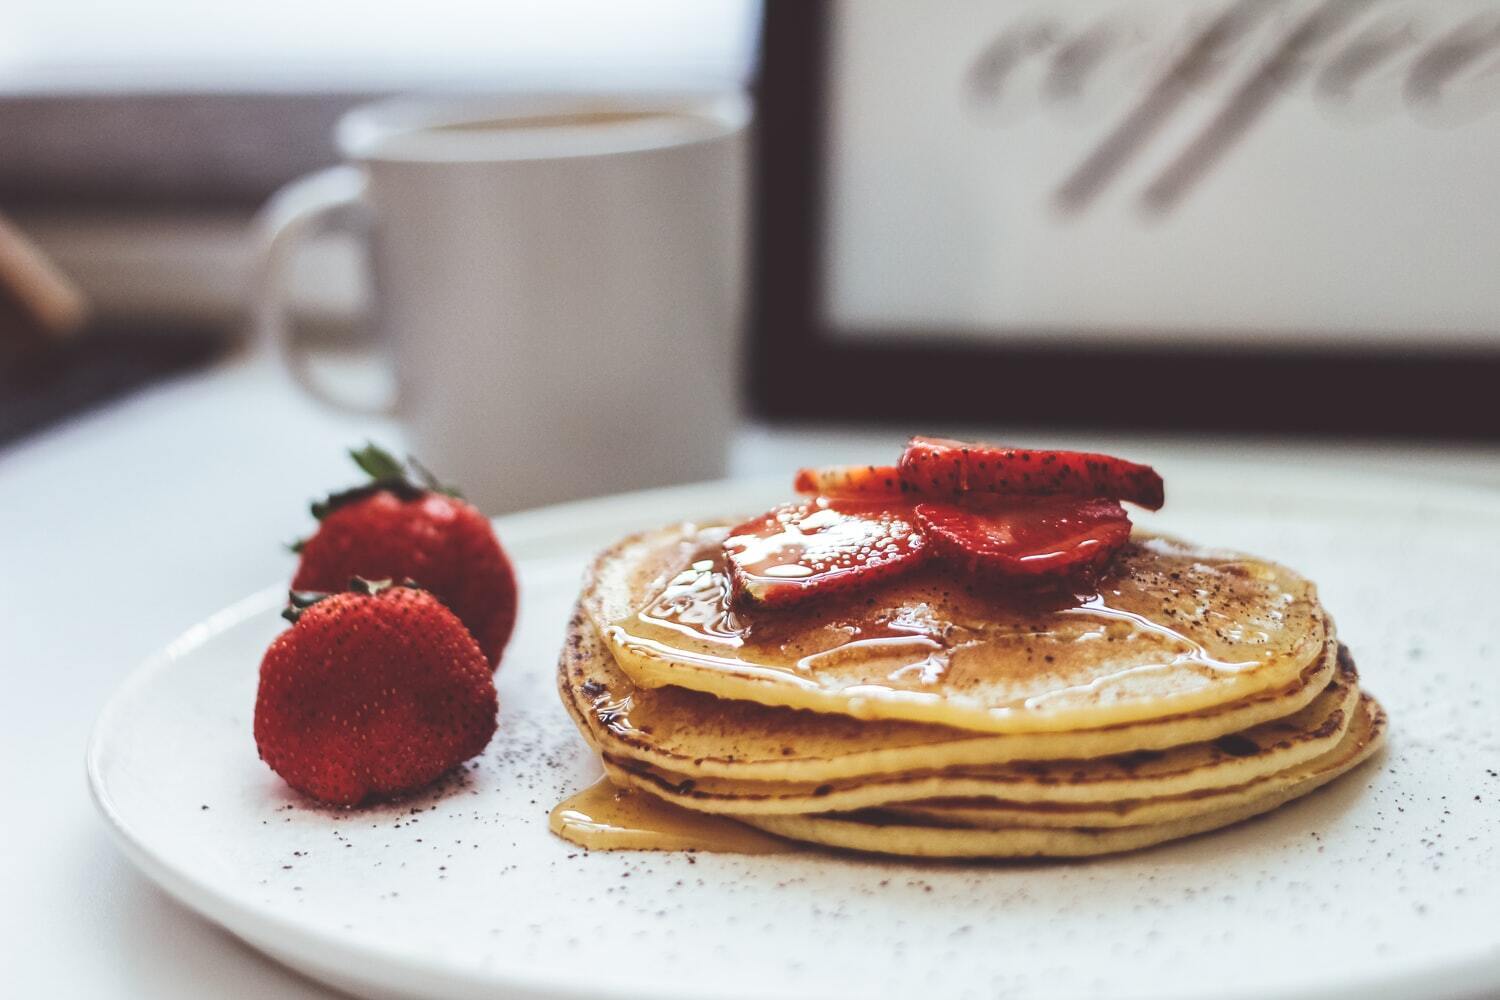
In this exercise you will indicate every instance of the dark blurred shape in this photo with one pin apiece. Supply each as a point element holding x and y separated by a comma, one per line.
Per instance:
<point>217,150</point>
<point>43,387</point>
<point>1156,108</point>
<point>1375,46</point>
<point>1276,73</point>
<point>1459,50</point>
<point>993,68</point>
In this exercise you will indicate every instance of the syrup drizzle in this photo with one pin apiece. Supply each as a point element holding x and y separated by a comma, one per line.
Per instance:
<point>908,649</point>
<point>604,817</point>
<point>695,603</point>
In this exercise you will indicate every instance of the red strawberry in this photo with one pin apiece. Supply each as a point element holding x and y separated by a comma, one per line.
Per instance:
<point>403,525</point>
<point>867,481</point>
<point>799,551</point>
<point>372,692</point>
<point>939,467</point>
<point>1026,536</point>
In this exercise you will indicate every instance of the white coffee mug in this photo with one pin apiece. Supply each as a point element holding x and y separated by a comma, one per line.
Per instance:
<point>558,281</point>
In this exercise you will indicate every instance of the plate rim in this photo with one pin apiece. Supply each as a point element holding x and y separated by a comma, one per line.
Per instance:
<point>306,948</point>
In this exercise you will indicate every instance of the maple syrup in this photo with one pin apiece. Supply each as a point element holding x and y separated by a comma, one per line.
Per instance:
<point>604,817</point>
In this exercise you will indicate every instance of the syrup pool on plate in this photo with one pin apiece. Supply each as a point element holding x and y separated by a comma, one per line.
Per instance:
<point>603,817</point>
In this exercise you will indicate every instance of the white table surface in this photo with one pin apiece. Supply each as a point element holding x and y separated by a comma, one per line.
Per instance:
<point>123,527</point>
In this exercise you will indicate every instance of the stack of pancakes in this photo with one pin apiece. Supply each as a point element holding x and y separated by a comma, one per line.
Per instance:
<point>928,717</point>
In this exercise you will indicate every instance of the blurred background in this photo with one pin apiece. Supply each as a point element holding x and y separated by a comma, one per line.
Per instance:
<point>142,138</point>
<point>1267,196</point>
<point>1258,231</point>
<point>1260,228</point>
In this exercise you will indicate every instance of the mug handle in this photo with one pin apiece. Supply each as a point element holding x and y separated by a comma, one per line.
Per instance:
<point>325,201</point>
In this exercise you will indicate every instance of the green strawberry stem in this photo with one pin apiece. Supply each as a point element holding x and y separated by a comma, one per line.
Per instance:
<point>408,481</point>
<point>298,601</point>
<point>377,462</point>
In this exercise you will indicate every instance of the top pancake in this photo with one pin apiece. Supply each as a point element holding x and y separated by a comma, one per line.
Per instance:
<point>1173,629</point>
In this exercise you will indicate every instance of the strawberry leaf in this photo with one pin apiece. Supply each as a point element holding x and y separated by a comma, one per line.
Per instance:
<point>377,462</point>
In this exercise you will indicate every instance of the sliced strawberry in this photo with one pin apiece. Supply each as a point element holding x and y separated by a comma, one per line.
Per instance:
<point>851,481</point>
<point>1026,536</point>
<point>803,550</point>
<point>939,467</point>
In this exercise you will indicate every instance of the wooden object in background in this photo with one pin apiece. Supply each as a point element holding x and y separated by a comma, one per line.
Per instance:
<point>39,305</point>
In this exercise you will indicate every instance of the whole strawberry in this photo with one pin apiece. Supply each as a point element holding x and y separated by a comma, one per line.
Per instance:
<point>404,525</point>
<point>372,692</point>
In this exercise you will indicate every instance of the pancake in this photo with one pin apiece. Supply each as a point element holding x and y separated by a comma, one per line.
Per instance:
<point>1196,767</point>
<point>883,833</point>
<point>697,735</point>
<point>1173,630</point>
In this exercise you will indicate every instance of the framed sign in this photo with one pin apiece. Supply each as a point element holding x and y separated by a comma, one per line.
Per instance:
<point>1239,215</point>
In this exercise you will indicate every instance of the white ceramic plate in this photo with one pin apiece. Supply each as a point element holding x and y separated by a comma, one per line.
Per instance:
<point>1386,884</point>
